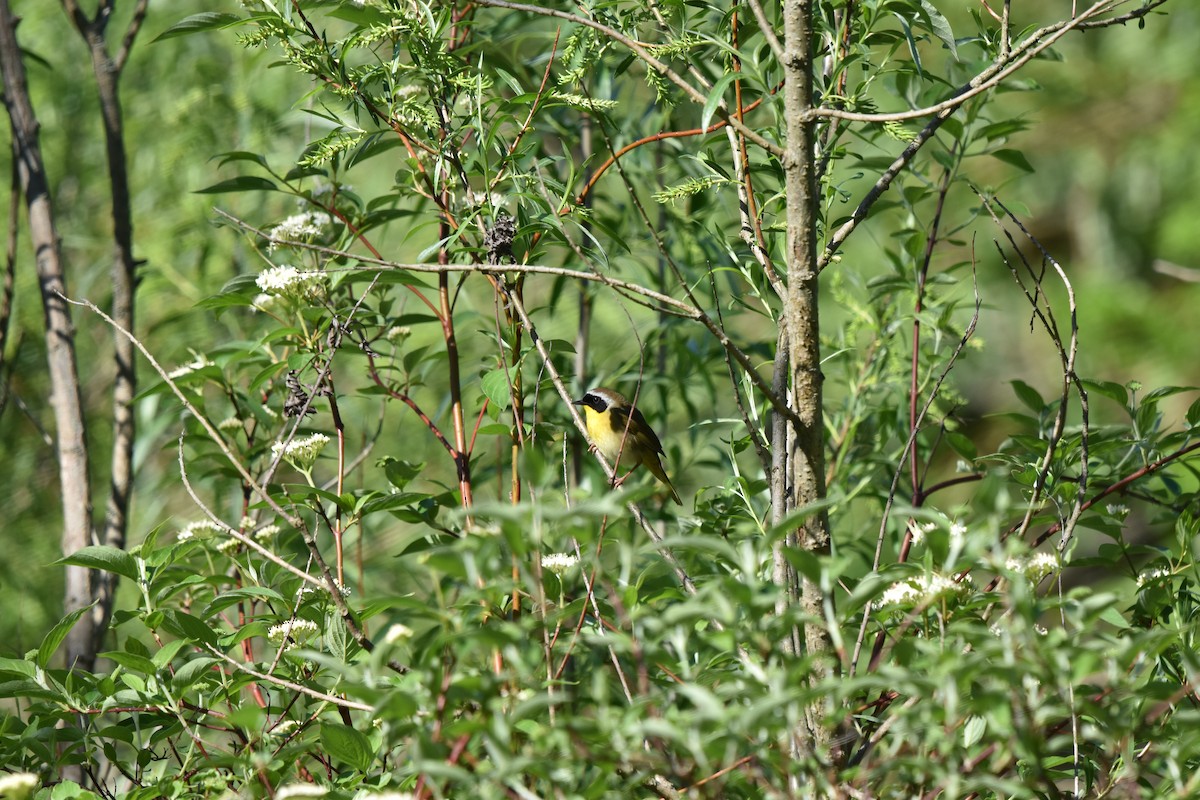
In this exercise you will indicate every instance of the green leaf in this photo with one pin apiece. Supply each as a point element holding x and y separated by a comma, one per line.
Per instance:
<point>1114,618</point>
<point>347,745</point>
<point>16,667</point>
<point>940,27</point>
<point>239,291</point>
<point>1110,389</point>
<point>973,731</point>
<point>233,596</point>
<point>962,445</point>
<point>1013,157</point>
<point>242,155</point>
<point>714,98</point>
<point>131,661</point>
<point>57,634</point>
<point>912,44</point>
<point>69,790</point>
<point>104,558</point>
<point>242,183</point>
<point>183,624</point>
<point>192,671</point>
<point>1029,396</point>
<point>209,20</point>
<point>168,652</point>
<point>400,473</point>
<point>495,385</point>
<point>1193,414</point>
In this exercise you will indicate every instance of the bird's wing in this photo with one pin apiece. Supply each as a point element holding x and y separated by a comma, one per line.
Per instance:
<point>651,438</point>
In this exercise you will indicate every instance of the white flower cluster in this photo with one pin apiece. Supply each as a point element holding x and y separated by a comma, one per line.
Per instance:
<point>265,533</point>
<point>1152,575</point>
<point>299,227</point>
<point>558,563</point>
<point>283,729</point>
<point>1118,511</point>
<point>199,362</point>
<point>264,302</point>
<point>919,530</point>
<point>326,189</point>
<point>292,632</point>
<point>301,453</point>
<point>227,545</point>
<point>344,591</point>
<point>19,785</point>
<point>396,632</point>
<point>300,790</point>
<point>287,281</point>
<point>200,529</point>
<point>922,588</point>
<point>1036,567</point>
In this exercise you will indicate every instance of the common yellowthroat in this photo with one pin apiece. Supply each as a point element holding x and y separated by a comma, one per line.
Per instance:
<point>616,428</point>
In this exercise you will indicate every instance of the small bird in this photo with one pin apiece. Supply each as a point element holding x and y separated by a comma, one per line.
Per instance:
<point>616,428</point>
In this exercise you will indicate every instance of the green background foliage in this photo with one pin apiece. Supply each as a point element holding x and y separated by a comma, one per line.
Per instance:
<point>598,680</point>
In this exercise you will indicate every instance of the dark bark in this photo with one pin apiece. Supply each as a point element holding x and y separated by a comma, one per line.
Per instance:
<point>107,72</point>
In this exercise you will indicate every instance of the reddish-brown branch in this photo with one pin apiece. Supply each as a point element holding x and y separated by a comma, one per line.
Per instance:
<point>537,100</point>
<point>361,237</point>
<point>657,137</point>
<point>408,401</point>
<point>1134,476</point>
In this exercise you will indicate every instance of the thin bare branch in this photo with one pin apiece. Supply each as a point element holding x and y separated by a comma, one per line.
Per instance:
<point>209,428</point>
<point>1033,45</point>
<point>291,685</point>
<point>640,50</point>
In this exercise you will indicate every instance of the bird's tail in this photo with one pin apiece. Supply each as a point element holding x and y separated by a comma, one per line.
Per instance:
<point>656,468</point>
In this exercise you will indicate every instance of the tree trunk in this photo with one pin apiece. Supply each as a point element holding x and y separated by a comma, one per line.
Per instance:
<point>65,396</point>
<point>116,518</point>
<point>807,445</point>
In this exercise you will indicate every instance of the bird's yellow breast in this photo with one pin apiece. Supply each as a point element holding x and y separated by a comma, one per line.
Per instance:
<point>608,437</point>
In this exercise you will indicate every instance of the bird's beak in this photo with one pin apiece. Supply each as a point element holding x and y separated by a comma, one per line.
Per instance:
<point>576,402</point>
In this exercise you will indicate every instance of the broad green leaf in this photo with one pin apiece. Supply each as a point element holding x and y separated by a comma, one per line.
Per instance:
<point>1109,389</point>
<point>495,385</point>
<point>1029,396</point>
<point>131,661</point>
<point>186,625</point>
<point>347,745</point>
<point>233,596</point>
<point>940,27</point>
<point>104,558</point>
<point>242,183</point>
<point>400,473</point>
<point>168,651</point>
<point>207,21</point>
<point>192,671</point>
<point>57,634</point>
<point>1013,157</point>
